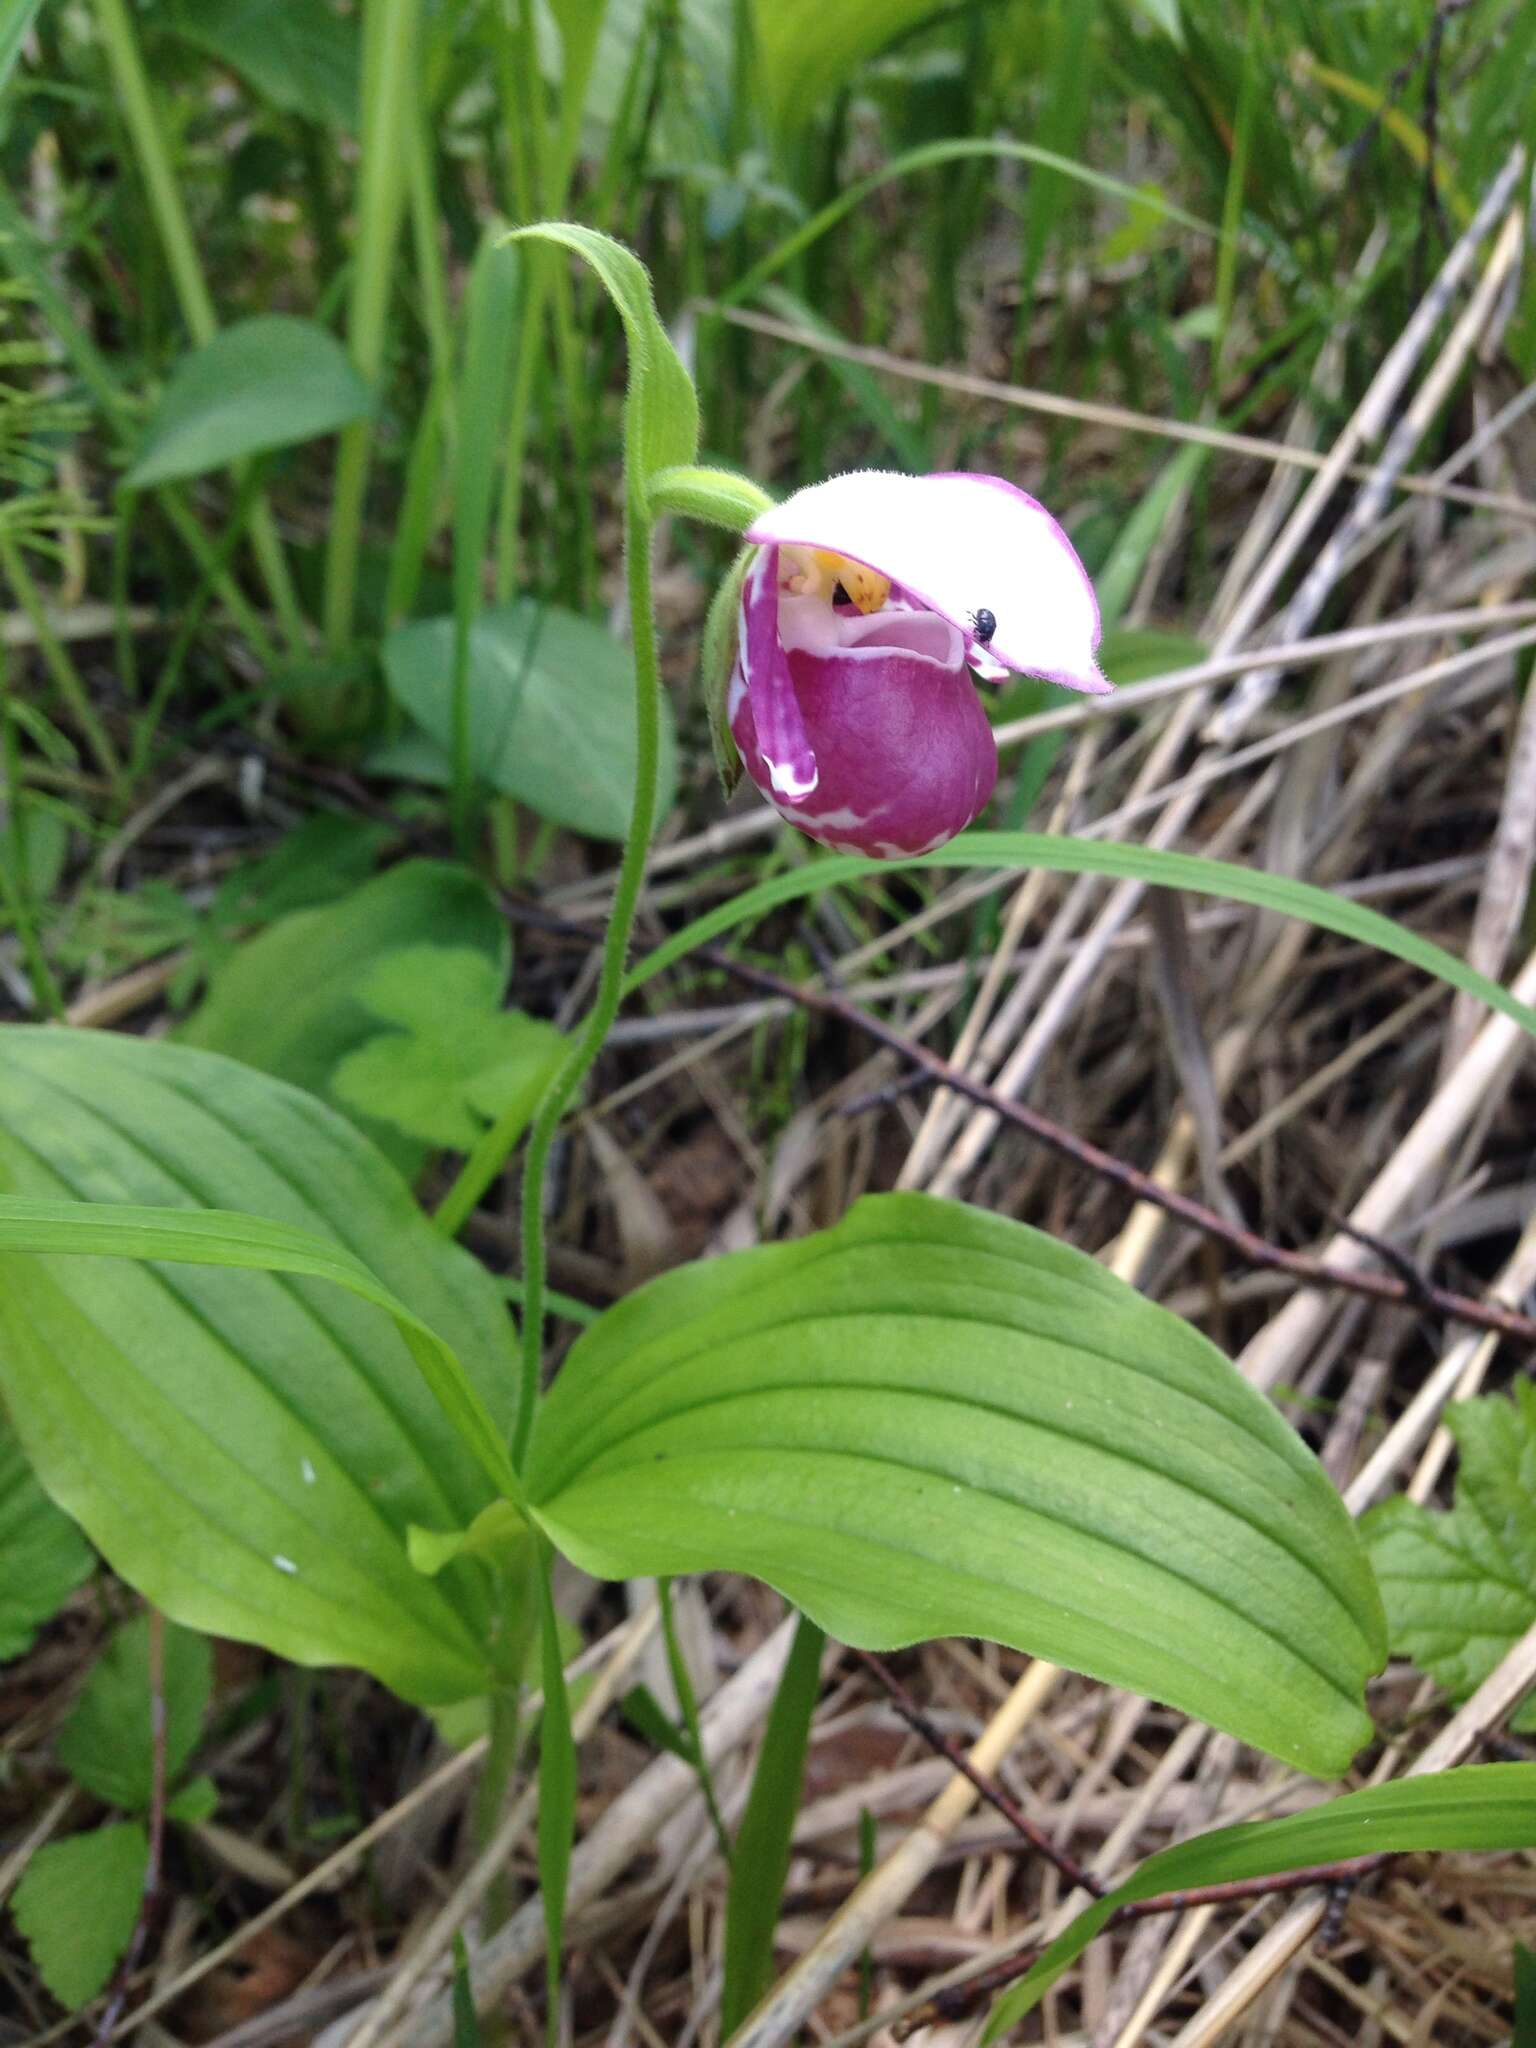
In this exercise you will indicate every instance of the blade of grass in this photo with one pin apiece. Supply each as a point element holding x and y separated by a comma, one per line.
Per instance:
<point>761,1862</point>
<point>929,157</point>
<point>388,119</point>
<point>490,307</point>
<point>688,1702</point>
<point>1065,855</point>
<point>138,110</point>
<point>557,1796</point>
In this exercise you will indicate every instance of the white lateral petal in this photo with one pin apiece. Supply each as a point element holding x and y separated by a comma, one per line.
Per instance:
<point>961,543</point>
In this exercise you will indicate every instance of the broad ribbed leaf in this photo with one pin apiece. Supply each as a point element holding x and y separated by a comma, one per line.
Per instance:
<point>930,1421</point>
<point>551,712</point>
<point>1483,1806</point>
<point>807,51</point>
<point>267,382</point>
<point>247,1448</point>
<point>43,1556</point>
<point>301,55</point>
<point>292,1000</point>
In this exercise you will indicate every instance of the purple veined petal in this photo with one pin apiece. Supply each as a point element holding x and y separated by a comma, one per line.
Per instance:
<point>961,543</point>
<point>780,728</point>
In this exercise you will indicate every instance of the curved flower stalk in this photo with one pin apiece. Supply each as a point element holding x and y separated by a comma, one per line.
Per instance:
<point>872,598</point>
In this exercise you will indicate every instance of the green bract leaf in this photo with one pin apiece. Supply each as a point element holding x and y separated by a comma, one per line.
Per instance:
<point>78,1904</point>
<point>107,1744</point>
<point>1062,855</point>
<point>290,1000</point>
<point>458,1061</point>
<point>551,713</point>
<point>263,383</point>
<point>1460,1587</point>
<point>248,1448</point>
<point>299,56</point>
<point>661,427</point>
<point>43,1556</point>
<point>722,628</point>
<point>1484,1806</point>
<point>929,1421</point>
<point>717,496</point>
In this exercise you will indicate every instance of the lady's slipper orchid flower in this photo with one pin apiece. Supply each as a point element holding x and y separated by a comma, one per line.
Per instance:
<point>869,598</point>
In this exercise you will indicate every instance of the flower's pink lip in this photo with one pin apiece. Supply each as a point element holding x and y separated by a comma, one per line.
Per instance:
<point>869,636</point>
<point>1090,683</point>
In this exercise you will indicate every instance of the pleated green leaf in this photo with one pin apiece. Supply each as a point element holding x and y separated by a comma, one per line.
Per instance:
<point>43,1556</point>
<point>248,1448</point>
<point>931,1421</point>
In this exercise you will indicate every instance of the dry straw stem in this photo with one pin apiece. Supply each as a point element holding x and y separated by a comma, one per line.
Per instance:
<point>1383,392</point>
<point>1484,1070</point>
<point>327,1875</point>
<point>1376,409</point>
<point>1507,884</point>
<point>883,1893</point>
<point>469,1893</point>
<point>1457,1374</point>
<point>1029,399</point>
<point>731,835</point>
<point>626,1830</point>
<point>1494,1699</point>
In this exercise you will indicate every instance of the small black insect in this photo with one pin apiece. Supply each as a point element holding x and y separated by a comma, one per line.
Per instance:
<point>985,624</point>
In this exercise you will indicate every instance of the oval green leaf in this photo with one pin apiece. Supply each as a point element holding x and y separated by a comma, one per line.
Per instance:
<point>250,1448</point>
<point>551,713</point>
<point>263,383</point>
<point>930,1421</point>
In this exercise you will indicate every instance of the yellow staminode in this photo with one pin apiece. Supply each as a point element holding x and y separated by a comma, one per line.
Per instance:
<point>817,572</point>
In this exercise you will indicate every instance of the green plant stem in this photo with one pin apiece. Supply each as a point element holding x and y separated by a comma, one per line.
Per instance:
<point>488,1158</point>
<point>138,110</point>
<point>67,678</point>
<point>388,127</point>
<point>501,1755</point>
<point>688,1701</point>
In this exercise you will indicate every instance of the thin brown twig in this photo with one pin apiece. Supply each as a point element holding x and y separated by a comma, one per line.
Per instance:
<point>958,1999</point>
<point>990,1790</point>
<point>1255,1250</point>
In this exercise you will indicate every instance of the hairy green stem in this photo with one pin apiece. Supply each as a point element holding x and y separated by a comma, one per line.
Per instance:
<point>558,1096</point>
